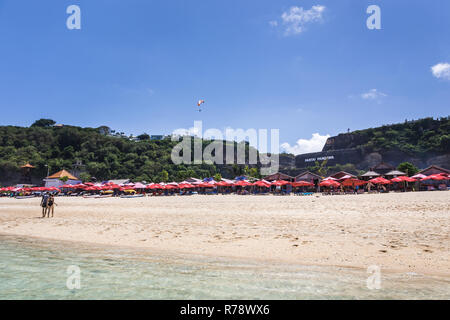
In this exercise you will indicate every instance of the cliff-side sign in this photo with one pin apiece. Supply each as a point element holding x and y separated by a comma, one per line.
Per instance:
<point>319,159</point>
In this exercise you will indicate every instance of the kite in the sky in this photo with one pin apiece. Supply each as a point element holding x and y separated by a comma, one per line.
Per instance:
<point>199,103</point>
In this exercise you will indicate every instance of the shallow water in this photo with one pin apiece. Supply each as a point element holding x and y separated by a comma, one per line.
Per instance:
<point>32,269</point>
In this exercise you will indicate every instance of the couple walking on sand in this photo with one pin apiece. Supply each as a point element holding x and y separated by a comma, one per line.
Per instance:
<point>48,204</point>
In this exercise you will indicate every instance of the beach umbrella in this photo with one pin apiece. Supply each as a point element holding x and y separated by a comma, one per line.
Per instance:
<point>262,183</point>
<point>353,182</point>
<point>418,176</point>
<point>436,177</point>
<point>205,185</point>
<point>155,186</point>
<point>242,183</point>
<point>106,187</point>
<point>186,186</point>
<point>280,183</point>
<point>403,179</point>
<point>379,180</point>
<point>139,185</point>
<point>347,176</point>
<point>170,187</point>
<point>223,184</point>
<point>39,189</point>
<point>329,183</point>
<point>303,184</point>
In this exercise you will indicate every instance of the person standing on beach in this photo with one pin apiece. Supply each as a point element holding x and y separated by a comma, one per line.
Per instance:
<point>44,204</point>
<point>51,205</point>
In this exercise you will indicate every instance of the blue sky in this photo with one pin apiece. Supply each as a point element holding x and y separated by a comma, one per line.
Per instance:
<point>141,66</point>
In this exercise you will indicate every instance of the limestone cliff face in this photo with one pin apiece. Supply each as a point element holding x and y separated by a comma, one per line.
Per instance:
<point>352,148</point>
<point>344,141</point>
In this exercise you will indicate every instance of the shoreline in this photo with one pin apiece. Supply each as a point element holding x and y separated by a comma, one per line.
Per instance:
<point>175,255</point>
<point>314,231</point>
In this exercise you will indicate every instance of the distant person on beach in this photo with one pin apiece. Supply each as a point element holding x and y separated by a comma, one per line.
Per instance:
<point>51,205</point>
<point>44,203</point>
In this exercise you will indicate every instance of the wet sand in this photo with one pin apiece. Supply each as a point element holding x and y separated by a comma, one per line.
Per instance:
<point>401,232</point>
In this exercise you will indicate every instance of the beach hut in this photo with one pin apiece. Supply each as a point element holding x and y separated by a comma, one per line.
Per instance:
<point>309,177</point>
<point>55,179</point>
<point>433,170</point>
<point>369,175</point>
<point>342,175</point>
<point>279,176</point>
<point>382,168</point>
<point>394,174</point>
<point>26,173</point>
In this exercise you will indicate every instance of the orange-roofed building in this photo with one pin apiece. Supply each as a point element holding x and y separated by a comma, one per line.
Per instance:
<point>55,179</point>
<point>28,166</point>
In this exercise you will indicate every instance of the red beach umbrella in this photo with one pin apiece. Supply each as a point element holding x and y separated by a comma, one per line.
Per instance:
<point>436,177</point>
<point>329,183</point>
<point>261,184</point>
<point>205,185</point>
<point>186,186</point>
<point>353,182</point>
<point>223,184</point>
<point>403,179</point>
<point>280,183</point>
<point>302,184</point>
<point>242,183</point>
<point>380,180</point>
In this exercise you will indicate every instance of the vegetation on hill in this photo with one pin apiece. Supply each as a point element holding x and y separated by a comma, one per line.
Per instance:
<point>104,154</point>
<point>417,137</point>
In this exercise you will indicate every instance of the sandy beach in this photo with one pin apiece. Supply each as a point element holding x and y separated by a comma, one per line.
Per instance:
<point>400,232</point>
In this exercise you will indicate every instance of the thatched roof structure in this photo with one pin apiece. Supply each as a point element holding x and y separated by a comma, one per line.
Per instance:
<point>62,174</point>
<point>279,176</point>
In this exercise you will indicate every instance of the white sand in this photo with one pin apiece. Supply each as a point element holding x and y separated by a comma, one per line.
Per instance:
<point>405,232</point>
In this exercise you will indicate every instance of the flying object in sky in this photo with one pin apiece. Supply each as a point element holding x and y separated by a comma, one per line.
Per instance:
<point>199,103</point>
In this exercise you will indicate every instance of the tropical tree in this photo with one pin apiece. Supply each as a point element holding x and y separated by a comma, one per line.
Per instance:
<point>43,123</point>
<point>408,168</point>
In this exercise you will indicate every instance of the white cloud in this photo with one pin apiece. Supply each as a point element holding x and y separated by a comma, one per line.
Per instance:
<point>273,23</point>
<point>441,70</point>
<point>373,94</point>
<point>297,18</point>
<point>315,144</point>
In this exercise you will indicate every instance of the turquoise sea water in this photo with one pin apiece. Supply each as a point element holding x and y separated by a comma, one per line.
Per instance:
<point>32,269</point>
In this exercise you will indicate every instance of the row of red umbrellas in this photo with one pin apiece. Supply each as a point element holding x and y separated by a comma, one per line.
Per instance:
<point>381,180</point>
<point>243,183</point>
<point>34,189</point>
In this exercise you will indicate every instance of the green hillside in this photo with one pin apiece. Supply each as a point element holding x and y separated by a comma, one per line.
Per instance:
<point>417,137</point>
<point>105,154</point>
